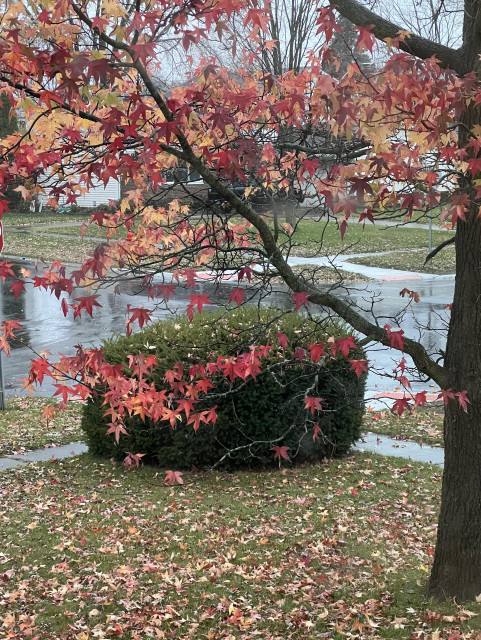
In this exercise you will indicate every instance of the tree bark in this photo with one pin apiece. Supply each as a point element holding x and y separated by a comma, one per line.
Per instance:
<point>456,571</point>
<point>457,562</point>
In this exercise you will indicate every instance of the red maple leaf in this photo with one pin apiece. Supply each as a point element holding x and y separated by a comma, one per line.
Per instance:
<point>197,301</point>
<point>245,271</point>
<point>400,406</point>
<point>344,345</point>
<point>300,298</point>
<point>173,477</point>
<point>64,306</point>
<point>462,399</point>
<point>116,428</point>
<point>280,452</point>
<point>317,351</point>
<point>39,369</point>
<point>238,296</point>
<point>6,269</point>
<point>359,366</point>
<point>446,395</point>
<point>87,303</point>
<point>139,314</point>
<point>395,338</point>
<point>189,276</point>
<point>420,399</point>
<point>283,340</point>
<point>299,354</point>
<point>313,404</point>
<point>4,207</point>
<point>17,287</point>
<point>366,39</point>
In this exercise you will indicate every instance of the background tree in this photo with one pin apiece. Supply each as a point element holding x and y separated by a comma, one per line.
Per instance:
<point>423,102</point>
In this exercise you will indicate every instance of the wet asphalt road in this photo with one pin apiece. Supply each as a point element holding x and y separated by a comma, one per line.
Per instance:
<point>46,329</point>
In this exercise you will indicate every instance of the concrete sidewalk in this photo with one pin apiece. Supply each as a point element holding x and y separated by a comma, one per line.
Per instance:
<point>43,455</point>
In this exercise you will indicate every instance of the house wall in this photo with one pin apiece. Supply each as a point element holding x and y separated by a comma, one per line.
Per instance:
<point>99,194</point>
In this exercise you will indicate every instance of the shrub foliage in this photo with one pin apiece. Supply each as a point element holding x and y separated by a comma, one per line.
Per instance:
<point>254,416</point>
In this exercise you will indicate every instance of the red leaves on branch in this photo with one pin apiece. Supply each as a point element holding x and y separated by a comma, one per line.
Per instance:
<point>359,366</point>
<point>395,338</point>
<point>460,396</point>
<point>300,298</point>
<point>280,452</point>
<point>197,301</point>
<point>313,404</point>
<point>238,296</point>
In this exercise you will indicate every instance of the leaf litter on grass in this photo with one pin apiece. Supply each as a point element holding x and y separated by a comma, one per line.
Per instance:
<point>334,550</point>
<point>32,423</point>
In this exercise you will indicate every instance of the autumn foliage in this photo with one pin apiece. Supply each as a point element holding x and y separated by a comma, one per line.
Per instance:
<point>404,136</point>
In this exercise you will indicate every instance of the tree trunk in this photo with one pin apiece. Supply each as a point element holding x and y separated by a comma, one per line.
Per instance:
<point>457,562</point>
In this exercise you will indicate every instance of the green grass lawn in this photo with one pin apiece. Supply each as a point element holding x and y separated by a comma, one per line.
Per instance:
<point>334,550</point>
<point>23,427</point>
<point>12,218</point>
<point>326,238</point>
<point>90,231</point>
<point>36,245</point>
<point>443,263</point>
<point>311,236</point>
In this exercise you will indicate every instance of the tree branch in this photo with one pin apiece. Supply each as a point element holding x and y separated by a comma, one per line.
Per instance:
<point>435,251</point>
<point>272,251</point>
<point>330,152</point>
<point>415,45</point>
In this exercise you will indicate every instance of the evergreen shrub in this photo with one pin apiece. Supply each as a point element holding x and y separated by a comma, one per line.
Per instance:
<point>253,416</point>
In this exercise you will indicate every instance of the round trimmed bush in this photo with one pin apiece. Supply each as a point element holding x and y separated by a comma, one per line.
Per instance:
<point>253,416</point>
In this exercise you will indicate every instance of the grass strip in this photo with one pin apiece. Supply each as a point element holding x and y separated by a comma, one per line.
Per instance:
<point>30,218</point>
<point>424,426</point>
<point>48,248</point>
<point>443,263</point>
<point>311,237</point>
